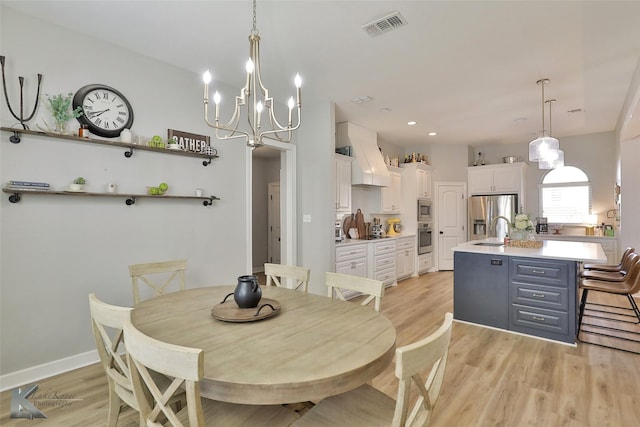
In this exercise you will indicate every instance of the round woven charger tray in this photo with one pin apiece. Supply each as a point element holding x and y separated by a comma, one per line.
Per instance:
<point>230,312</point>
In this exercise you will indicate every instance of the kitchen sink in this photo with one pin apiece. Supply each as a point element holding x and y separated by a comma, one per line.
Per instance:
<point>488,244</point>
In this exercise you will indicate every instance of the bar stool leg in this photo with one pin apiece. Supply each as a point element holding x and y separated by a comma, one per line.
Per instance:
<point>583,303</point>
<point>634,306</point>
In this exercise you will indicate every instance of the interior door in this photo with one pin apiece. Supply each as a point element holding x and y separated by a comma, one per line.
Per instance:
<point>273,251</point>
<point>450,221</point>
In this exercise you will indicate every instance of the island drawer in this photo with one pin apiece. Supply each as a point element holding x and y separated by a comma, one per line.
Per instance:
<point>549,273</point>
<point>553,298</point>
<point>548,323</point>
<point>408,243</point>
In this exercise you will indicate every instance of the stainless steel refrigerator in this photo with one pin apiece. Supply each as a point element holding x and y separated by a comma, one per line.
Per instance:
<point>484,212</point>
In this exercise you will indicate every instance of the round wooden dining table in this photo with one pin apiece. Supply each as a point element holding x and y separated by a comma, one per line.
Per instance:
<point>313,348</point>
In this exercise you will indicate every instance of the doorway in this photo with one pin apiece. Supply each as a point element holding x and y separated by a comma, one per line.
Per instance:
<point>451,216</point>
<point>273,226</point>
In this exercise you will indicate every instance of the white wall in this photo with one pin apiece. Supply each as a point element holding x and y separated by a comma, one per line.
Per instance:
<point>56,250</point>
<point>630,196</point>
<point>316,193</point>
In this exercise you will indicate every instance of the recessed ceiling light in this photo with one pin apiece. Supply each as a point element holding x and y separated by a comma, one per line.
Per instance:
<point>432,134</point>
<point>362,99</point>
<point>411,123</point>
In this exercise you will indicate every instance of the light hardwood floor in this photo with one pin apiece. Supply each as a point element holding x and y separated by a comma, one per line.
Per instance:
<point>493,378</point>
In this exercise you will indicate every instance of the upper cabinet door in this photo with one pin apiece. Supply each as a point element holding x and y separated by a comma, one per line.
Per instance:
<point>497,179</point>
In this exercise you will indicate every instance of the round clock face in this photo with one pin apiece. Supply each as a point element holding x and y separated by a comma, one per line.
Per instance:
<point>106,111</point>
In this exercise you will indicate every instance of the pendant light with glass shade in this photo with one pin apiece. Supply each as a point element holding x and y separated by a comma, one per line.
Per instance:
<point>542,147</point>
<point>553,160</point>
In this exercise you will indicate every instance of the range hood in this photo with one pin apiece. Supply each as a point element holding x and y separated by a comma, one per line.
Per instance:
<point>368,168</point>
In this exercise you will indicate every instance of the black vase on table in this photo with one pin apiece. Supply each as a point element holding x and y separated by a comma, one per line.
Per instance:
<point>247,293</point>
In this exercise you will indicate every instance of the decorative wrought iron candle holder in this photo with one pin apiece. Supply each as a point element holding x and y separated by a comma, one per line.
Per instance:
<point>21,119</point>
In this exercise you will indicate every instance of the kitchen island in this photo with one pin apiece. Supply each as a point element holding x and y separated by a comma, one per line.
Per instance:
<point>531,291</point>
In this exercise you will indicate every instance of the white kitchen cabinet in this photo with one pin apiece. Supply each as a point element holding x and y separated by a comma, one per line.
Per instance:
<point>423,179</point>
<point>351,259</point>
<point>383,256</point>
<point>343,183</point>
<point>497,179</point>
<point>405,257</point>
<point>392,196</point>
<point>425,262</point>
<point>416,181</point>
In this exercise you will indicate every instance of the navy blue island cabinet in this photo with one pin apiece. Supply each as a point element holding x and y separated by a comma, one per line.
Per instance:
<point>527,295</point>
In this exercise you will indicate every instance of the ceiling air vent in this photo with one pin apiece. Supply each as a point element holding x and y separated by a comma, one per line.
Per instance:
<point>385,24</point>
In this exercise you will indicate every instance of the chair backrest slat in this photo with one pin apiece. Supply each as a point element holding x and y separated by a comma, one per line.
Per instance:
<point>158,276</point>
<point>277,273</point>
<point>183,366</point>
<point>428,353</point>
<point>337,282</point>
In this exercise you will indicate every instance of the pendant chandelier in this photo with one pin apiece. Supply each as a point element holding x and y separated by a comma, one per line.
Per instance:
<point>543,147</point>
<point>253,100</point>
<point>553,160</point>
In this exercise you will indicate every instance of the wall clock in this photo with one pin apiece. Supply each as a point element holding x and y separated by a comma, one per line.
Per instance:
<point>106,111</point>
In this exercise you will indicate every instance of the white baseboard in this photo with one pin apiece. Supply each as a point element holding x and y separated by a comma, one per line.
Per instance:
<point>46,370</point>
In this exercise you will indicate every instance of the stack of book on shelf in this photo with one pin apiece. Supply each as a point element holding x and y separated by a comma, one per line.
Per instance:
<point>27,186</point>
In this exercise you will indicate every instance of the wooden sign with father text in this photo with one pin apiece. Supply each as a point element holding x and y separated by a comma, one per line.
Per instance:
<point>189,141</point>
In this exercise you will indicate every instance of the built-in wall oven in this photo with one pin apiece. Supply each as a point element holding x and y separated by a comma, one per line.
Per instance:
<point>425,235</point>
<point>424,210</point>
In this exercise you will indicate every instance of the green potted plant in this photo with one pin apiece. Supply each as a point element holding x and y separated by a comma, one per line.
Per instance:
<point>60,108</point>
<point>172,144</point>
<point>78,184</point>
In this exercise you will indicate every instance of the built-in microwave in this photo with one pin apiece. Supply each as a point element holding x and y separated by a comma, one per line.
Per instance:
<point>424,210</point>
<point>425,236</point>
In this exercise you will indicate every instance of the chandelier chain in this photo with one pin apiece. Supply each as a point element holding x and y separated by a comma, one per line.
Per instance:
<point>254,29</point>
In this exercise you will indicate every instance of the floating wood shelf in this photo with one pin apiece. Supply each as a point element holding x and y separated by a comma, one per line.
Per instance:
<point>130,199</point>
<point>15,138</point>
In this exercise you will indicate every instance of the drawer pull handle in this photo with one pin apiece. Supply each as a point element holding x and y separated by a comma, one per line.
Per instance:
<point>537,295</point>
<point>538,318</point>
<point>537,271</point>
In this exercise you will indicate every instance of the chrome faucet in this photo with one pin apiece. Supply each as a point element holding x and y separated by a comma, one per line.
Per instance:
<point>495,221</point>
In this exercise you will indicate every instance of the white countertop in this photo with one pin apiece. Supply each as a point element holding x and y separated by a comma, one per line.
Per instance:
<point>551,249</point>
<point>361,241</point>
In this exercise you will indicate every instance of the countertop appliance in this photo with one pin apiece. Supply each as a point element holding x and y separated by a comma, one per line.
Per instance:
<point>339,232</point>
<point>484,212</point>
<point>541,225</point>
<point>394,227</point>
<point>377,229</point>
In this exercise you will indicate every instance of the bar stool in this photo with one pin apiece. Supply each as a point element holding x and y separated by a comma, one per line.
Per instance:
<point>610,267</point>
<point>612,276</point>
<point>629,286</point>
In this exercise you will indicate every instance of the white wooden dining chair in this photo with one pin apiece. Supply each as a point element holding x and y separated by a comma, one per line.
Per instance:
<point>367,406</point>
<point>106,323</point>
<point>337,282</point>
<point>185,367</point>
<point>277,273</point>
<point>158,276</point>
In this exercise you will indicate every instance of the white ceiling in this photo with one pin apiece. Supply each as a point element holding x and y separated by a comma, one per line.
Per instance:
<point>464,69</point>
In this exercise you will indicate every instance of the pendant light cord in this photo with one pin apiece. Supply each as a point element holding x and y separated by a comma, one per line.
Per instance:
<point>254,29</point>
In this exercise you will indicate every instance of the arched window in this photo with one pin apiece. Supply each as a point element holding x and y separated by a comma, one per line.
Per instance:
<point>565,195</point>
